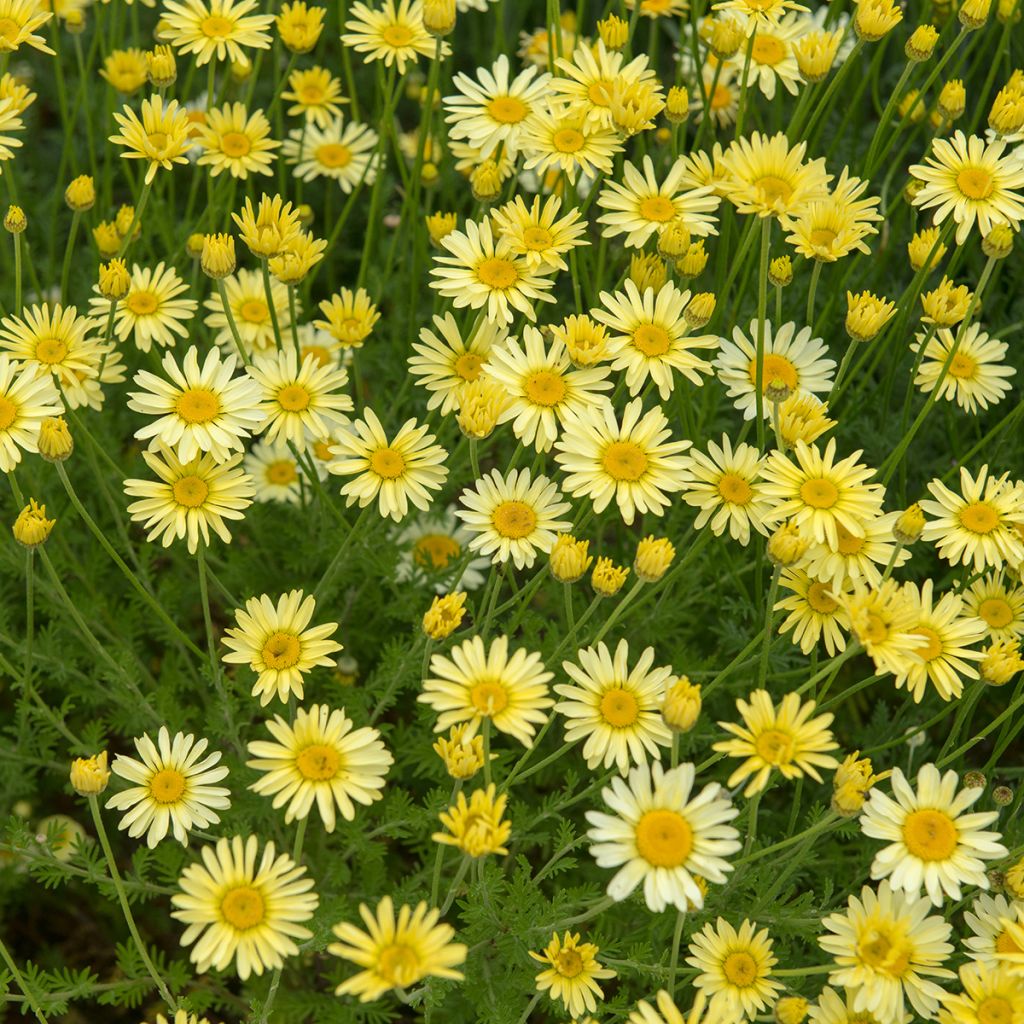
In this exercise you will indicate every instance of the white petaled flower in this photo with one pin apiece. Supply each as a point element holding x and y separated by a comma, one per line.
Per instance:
<point>433,549</point>
<point>200,410</point>
<point>27,397</point>
<point>514,516</point>
<point>992,920</point>
<point>615,707</point>
<point>662,835</point>
<point>933,844</point>
<point>793,357</point>
<point>172,787</point>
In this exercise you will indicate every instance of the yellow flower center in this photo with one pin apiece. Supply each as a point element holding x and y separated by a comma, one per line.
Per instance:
<point>774,746</point>
<point>568,140</point>
<point>514,519</point>
<point>387,463</point>
<point>773,190</point>
<point>507,109</point>
<point>319,352</point>
<point>767,50</point>
<point>619,708</point>
<point>993,610</point>
<point>979,518</point>
<point>734,489</point>
<point>254,311</point>
<point>398,964</point>
<point>569,964</point>
<point>436,551</point>
<point>190,491</point>
<point>281,473</point>
<point>888,953</point>
<point>467,366</point>
<point>318,762</point>
<point>489,697</point>
<point>933,648</point>
<point>740,969</point>
<point>333,154</point>
<point>8,412</point>
<point>167,786</point>
<point>819,492</point>
<point>158,140</point>
<point>397,35</point>
<point>293,398</point>
<point>819,598</point>
<point>216,27</point>
<point>242,907</point>
<point>142,303</point>
<point>975,183</point>
<point>537,239</point>
<point>963,366</point>
<point>10,30</point>
<point>995,1010</point>
<point>664,839</point>
<point>599,93</point>
<point>281,650</point>
<point>544,388</point>
<point>657,208</point>
<point>930,835</point>
<point>235,144</point>
<point>775,367</point>
<point>311,94</point>
<point>822,238</point>
<point>1005,943</point>
<point>197,405</point>
<point>51,350</point>
<point>848,543</point>
<point>497,273</point>
<point>651,339</point>
<point>875,630</point>
<point>625,461</point>
<point>721,98</point>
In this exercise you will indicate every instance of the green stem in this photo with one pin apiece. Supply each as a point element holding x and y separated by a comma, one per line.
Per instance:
<point>769,633</point>
<point>762,312</point>
<point>19,980</point>
<point>69,249</point>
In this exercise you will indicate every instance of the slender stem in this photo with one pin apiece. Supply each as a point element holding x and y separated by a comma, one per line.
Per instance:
<point>815,274</point>
<point>268,290</point>
<point>17,274</point>
<point>232,326</point>
<point>762,311</point>
<point>741,113</point>
<point>618,611</point>
<point>69,249</point>
<point>769,633</point>
<point>19,980</point>
<point>126,909</point>
<point>673,963</point>
<point>137,212</point>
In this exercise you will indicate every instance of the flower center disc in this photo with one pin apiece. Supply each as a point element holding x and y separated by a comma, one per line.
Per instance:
<point>994,610</point>
<point>468,365</point>
<point>497,273</point>
<point>489,697</point>
<point>768,50</point>
<point>282,650</point>
<point>933,648</point>
<point>167,786</point>
<point>537,239</point>
<point>975,183</point>
<point>819,493</point>
<point>773,190</point>
<point>775,367</point>
<point>397,35</point>
<point>333,155</point>
<point>619,708</point>
<point>624,460</point>
<point>507,109</point>
<point>664,839</point>
<point>293,398</point>
<point>141,303</point>
<point>875,630</point>
<point>387,463</point>
<point>190,491</point>
<point>514,519</point>
<point>197,405</point>
<point>889,954</point>
<point>735,489</point>
<point>568,140</point>
<point>544,388</point>
<point>995,1010</point>
<point>651,339</point>
<point>740,969</point>
<point>8,412</point>
<point>569,964</point>
<point>254,311</point>
<point>774,746</point>
<point>819,599</point>
<point>979,518</point>
<point>242,907</point>
<point>318,762</point>
<point>281,472</point>
<point>657,208</point>
<point>436,551</point>
<point>398,964</point>
<point>235,144</point>
<point>216,27</point>
<point>963,366</point>
<point>51,350</point>
<point>930,835</point>
<point>848,544</point>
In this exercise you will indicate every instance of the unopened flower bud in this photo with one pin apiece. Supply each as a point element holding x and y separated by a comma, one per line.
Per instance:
<point>218,259</point>
<point>439,16</point>
<point>653,557</point>
<point>607,578</point>
<point>614,32</point>
<point>777,390</point>
<point>194,245</point>
<point>15,221</point>
<point>952,99</point>
<point>31,528</point>
<point>647,271</point>
<point>80,195</point>
<point>974,780</point>
<point>921,44</point>
<point>909,526</point>
<point>462,757</point>
<point>485,182</point>
<point>673,240</point>
<point>161,68</point>
<point>998,243</point>
<point>726,38</point>
<point>1002,796</point>
<point>569,559</point>
<point>90,775</point>
<point>677,104</point>
<point>919,249</point>
<point>790,1010</point>
<point>440,225</point>
<point>786,546</point>
<point>874,18</point>
<point>866,315</point>
<point>1001,661</point>
<point>699,310</point>
<point>682,705</point>
<point>974,13</point>
<point>444,615</point>
<point>780,271</point>
<point>55,442</point>
<point>114,280</point>
<point>693,263</point>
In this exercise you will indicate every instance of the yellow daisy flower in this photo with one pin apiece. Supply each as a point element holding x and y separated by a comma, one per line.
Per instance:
<point>887,950</point>
<point>987,995</point>
<point>162,136</point>
<point>393,34</point>
<point>344,153</point>
<point>998,604</point>
<point>241,909</point>
<point>981,526</point>
<point>973,181</point>
<point>19,20</point>
<point>933,844</point>
<point>275,473</point>
<point>475,683</point>
<point>572,973</point>
<point>277,642</point>
<point>977,375</point>
<point>349,317</point>
<point>757,14</point>
<point>883,619</point>
<point>814,612</point>
<point>829,228</point>
<point>27,398</point>
<point>319,759</point>
<point>783,738</point>
<point>632,462</point>
<point>315,94</point>
<point>190,498</point>
<point>398,472</point>
<point>268,228</point>
<point>536,234</point>
<point>396,952</point>
<point>556,140</point>
<point>232,139</point>
<point>172,789</point>
<point>247,303</point>
<point>216,29</point>
<point>991,941</point>
<point>663,835</point>
<point>735,968</point>
<point>476,826</point>
<point>854,558</point>
<point>125,70</point>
